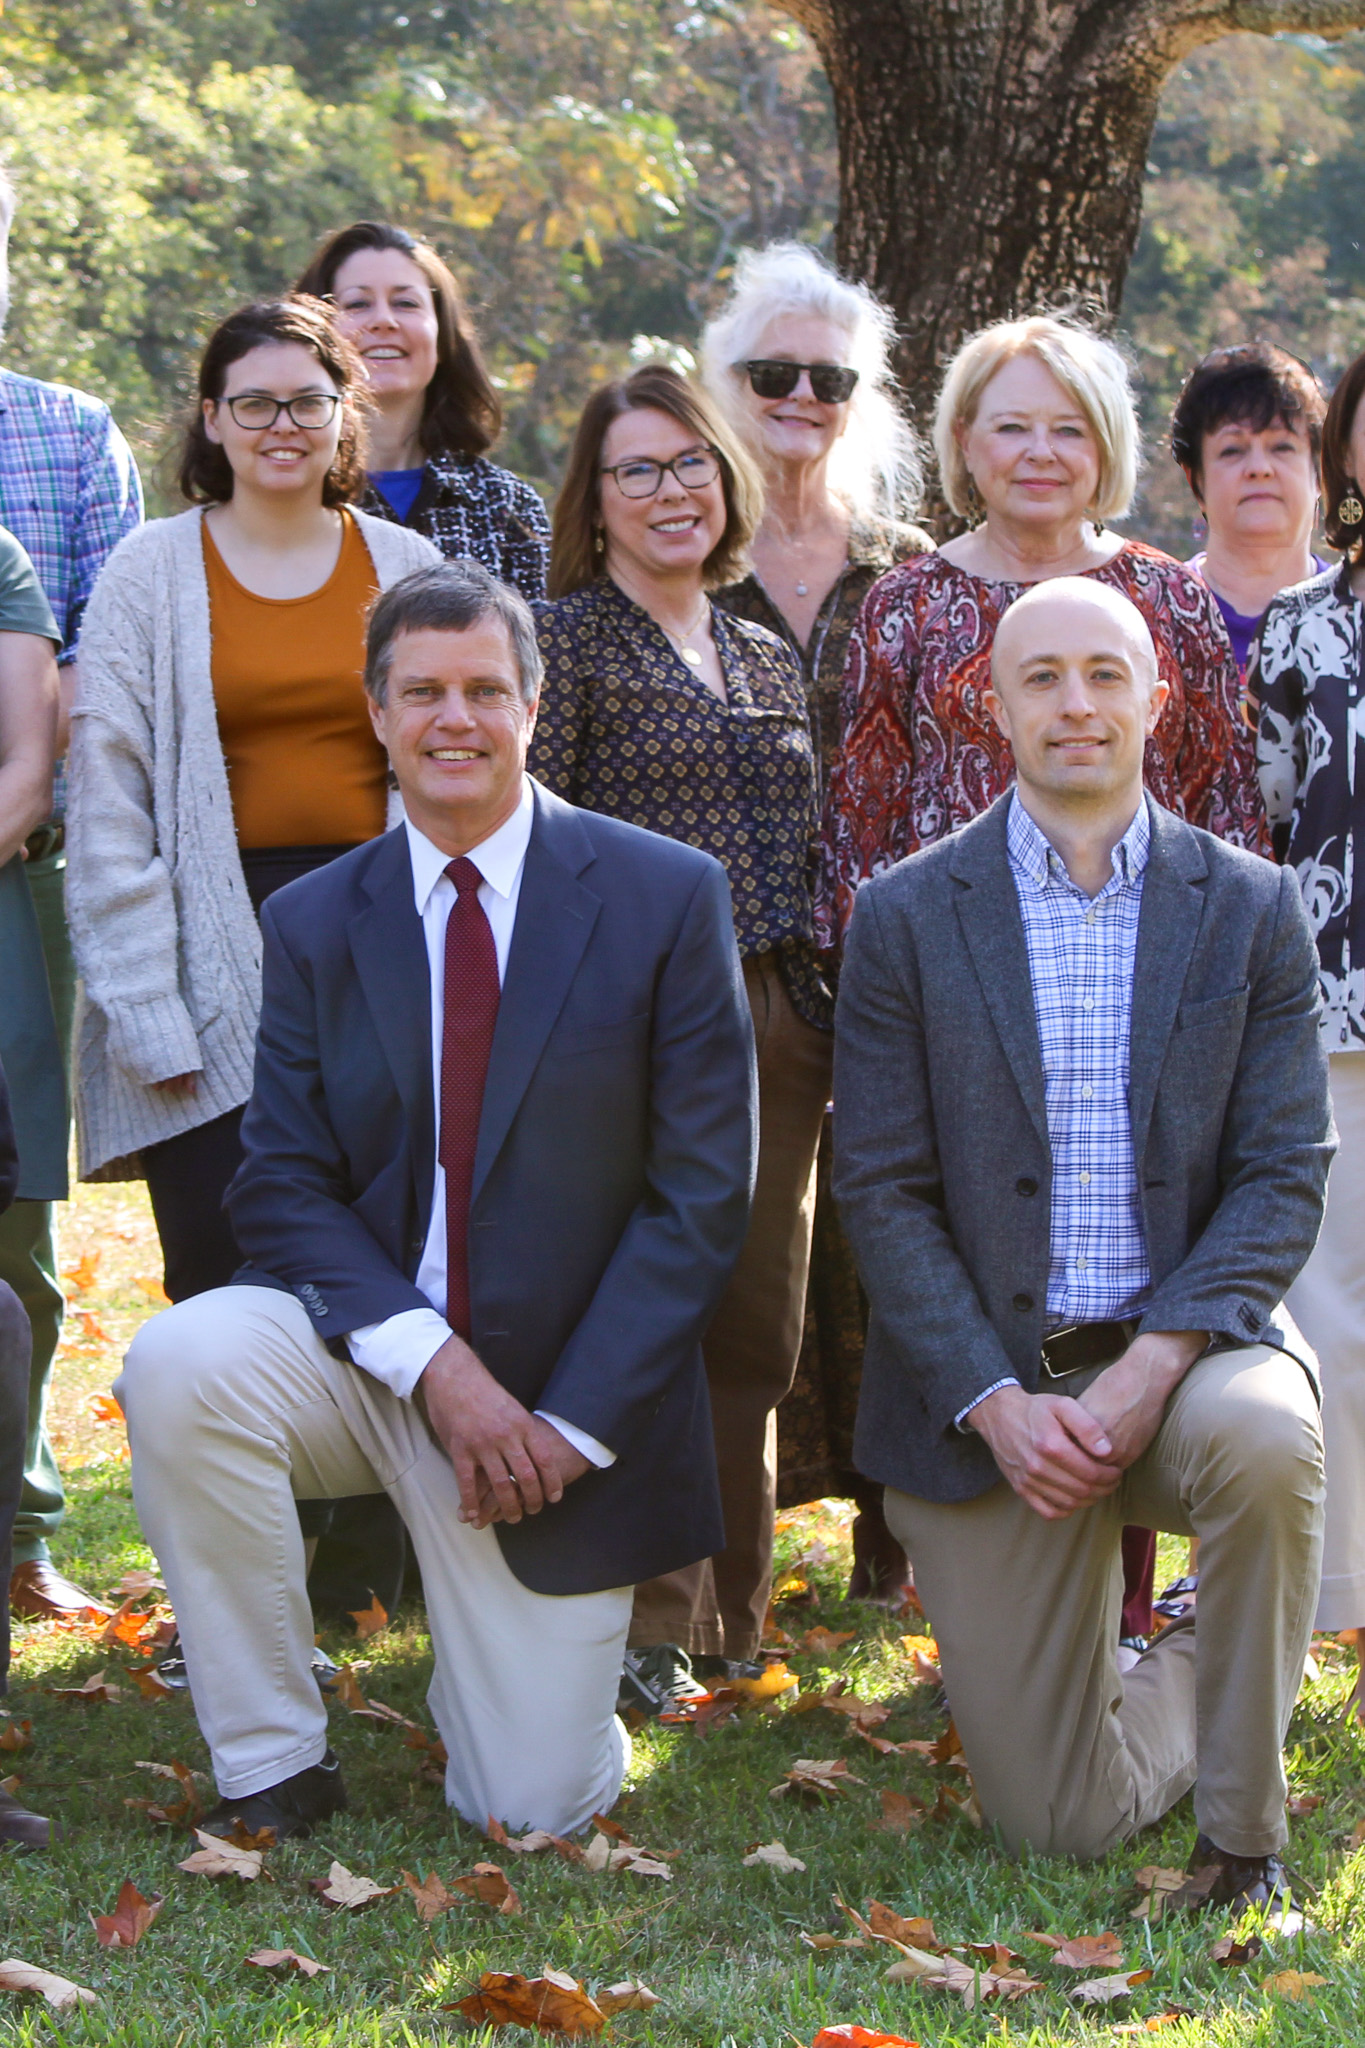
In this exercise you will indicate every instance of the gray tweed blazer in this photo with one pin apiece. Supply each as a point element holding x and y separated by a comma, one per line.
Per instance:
<point>943,1170</point>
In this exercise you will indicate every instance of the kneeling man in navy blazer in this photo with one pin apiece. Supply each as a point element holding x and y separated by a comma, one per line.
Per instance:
<point>498,1166</point>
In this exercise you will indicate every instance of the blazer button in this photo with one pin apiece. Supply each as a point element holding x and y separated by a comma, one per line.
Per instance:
<point>1027,1185</point>
<point>1023,1302</point>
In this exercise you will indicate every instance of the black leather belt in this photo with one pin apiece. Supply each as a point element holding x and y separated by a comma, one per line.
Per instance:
<point>1081,1346</point>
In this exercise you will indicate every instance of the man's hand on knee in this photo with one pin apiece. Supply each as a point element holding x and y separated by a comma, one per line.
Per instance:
<point>507,1462</point>
<point>1052,1451</point>
<point>1128,1399</point>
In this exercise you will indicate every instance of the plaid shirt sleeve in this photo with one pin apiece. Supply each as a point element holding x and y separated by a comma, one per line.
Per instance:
<point>108,505</point>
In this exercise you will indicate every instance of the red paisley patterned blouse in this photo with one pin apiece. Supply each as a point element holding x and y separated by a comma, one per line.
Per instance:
<point>920,754</point>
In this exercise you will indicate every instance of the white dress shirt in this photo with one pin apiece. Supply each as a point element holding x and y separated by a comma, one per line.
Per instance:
<point>399,1350</point>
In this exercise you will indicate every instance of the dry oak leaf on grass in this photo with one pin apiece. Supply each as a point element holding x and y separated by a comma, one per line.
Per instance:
<point>816,1778</point>
<point>600,1855</point>
<point>216,1858</point>
<point>182,1812</point>
<point>900,1813</point>
<point>1155,2021</point>
<point>1104,1990</point>
<point>946,1973</point>
<point>1082,1951</point>
<point>864,1714</point>
<point>774,1854</point>
<point>1230,1953</point>
<point>430,1897</point>
<point>922,1652</point>
<point>60,1993</point>
<point>341,1887</point>
<point>821,1641</point>
<point>130,1919</point>
<point>628,1996</point>
<point>16,1735</point>
<point>151,1684</point>
<point>487,1883</point>
<point>554,2004</point>
<point>533,1843</point>
<point>288,1959</point>
<point>1161,1886</point>
<point>1295,1984</point>
<point>369,1620</point>
<point>827,1941</point>
<point>98,1689</point>
<point>1299,1804</point>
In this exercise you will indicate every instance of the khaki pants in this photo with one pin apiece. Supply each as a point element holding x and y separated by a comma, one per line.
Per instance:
<point>754,1341</point>
<point>236,1408</point>
<point>1068,1757</point>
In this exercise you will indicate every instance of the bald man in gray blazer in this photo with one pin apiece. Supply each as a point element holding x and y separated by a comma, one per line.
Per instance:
<point>1082,1136</point>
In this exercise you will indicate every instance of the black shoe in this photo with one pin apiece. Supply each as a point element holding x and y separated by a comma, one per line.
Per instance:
<point>26,1830</point>
<point>657,1681</point>
<point>727,1669</point>
<point>1243,1881</point>
<point>290,1808</point>
<point>172,1672</point>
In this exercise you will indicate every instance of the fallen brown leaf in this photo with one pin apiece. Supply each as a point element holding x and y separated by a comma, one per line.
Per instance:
<point>182,1812</point>
<point>900,1813</point>
<point>59,1992</point>
<point>1167,1890</point>
<point>14,1736</point>
<point>136,1585</point>
<point>922,1652</point>
<point>341,1887</point>
<point>627,1997</point>
<point>554,2004</point>
<point>946,1973</point>
<point>1155,2021</point>
<point>369,1620</point>
<point>152,1685</point>
<point>1295,1984</point>
<point>717,1712</point>
<point>487,1883</point>
<point>951,1805</point>
<point>1300,1803</point>
<point>824,1941</point>
<point>772,1681</point>
<point>817,1778</point>
<point>886,1925</point>
<point>1231,1954</point>
<point>849,2035</point>
<point>1105,1990</point>
<point>821,1641</point>
<point>288,1959</point>
<point>11,1784</point>
<point>217,1858</point>
<point>600,1855</point>
<point>1083,1951</point>
<point>430,1897</point>
<point>345,1690</point>
<point>243,1837</point>
<point>98,1688</point>
<point>864,1714</point>
<point>80,1278</point>
<point>130,1919</point>
<point>994,1954</point>
<point>774,1854</point>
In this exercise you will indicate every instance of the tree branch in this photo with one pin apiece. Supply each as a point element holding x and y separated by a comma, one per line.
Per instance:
<point>1203,21</point>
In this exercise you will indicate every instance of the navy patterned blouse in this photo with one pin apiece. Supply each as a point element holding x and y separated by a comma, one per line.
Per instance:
<point>626,728</point>
<point>468,506</point>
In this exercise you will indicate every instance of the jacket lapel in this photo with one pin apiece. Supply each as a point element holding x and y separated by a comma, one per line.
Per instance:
<point>555,918</point>
<point>988,913</point>
<point>390,954</point>
<point>1168,925</point>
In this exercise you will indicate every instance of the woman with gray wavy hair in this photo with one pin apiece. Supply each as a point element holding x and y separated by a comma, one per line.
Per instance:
<point>798,360</point>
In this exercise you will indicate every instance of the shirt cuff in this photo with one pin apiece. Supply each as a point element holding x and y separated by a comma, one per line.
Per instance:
<point>960,1419</point>
<point>399,1350</point>
<point>579,1440</point>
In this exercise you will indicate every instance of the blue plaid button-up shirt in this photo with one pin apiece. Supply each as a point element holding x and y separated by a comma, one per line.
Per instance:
<point>1081,951</point>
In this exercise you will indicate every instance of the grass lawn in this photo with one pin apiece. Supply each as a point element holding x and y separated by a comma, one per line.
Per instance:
<point>718,1942</point>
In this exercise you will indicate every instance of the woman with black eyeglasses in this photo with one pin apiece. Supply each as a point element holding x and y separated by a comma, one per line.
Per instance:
<point>220,747</point>
<point>660,709</point>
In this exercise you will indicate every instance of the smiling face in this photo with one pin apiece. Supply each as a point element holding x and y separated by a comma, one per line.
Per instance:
<point>386,309</point>
<point>456,728</point>
<point>1075,690</point>
<point>797,429</point>
<point>1030,449</point>
<point>674,532</point>
<point>283,458</point>
<point>1258,484</point>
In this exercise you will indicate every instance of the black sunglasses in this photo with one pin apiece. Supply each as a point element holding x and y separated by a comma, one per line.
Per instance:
<point>831,383</point>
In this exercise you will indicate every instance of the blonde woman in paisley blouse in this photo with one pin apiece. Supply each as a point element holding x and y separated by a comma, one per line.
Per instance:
<point>1305,670</point>
<point>1037,440</point>
<point>660,709</point>
<point>798,361</point>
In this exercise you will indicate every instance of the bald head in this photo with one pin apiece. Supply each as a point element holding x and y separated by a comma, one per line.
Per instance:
<point>1076,689</point>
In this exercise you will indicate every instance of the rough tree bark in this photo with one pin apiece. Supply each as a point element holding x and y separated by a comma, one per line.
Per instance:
<point>992,151</point>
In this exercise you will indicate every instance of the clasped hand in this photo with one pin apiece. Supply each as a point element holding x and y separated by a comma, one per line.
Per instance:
<point>507,1462</point>
<point>1060,1452</point>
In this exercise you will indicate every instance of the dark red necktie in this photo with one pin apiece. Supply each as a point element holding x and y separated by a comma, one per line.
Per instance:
<point>471,1013</point>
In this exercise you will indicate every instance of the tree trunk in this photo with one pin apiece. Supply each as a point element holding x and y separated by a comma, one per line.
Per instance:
<point>992,152</point>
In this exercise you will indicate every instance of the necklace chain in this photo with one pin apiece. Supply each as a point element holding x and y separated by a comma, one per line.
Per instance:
<point>691,655</point>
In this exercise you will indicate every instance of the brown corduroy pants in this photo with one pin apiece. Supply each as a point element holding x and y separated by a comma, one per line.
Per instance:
<point>751,1348</point>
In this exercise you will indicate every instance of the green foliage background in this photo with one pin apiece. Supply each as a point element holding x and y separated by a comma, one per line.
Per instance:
<point>590,167</point>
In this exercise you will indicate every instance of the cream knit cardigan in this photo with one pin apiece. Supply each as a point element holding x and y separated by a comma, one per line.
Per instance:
<point>166,943</point>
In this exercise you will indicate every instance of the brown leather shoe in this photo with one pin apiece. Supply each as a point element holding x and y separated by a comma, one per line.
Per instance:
<point>38,1592</point>
<point>17,1824</point>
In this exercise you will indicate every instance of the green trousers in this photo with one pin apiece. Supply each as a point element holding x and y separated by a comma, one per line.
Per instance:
<point>28,1249</point>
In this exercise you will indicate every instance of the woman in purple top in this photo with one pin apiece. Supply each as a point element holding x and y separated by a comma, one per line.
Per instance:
<point>1247,431</point>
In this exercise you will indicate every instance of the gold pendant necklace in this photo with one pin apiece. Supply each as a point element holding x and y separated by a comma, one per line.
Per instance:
<point>691,655</point>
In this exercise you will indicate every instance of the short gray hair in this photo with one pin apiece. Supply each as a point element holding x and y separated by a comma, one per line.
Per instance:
<point>450,597</point>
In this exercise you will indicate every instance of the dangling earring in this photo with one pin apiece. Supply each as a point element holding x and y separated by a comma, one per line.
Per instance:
<point>1098,525</point>
<point>976,509</point>
<point>1350,511</point>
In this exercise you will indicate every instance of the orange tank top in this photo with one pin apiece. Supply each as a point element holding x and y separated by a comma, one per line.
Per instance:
<point>303,764</point>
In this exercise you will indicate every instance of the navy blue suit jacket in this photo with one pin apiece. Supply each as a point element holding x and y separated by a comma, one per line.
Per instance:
<point>614,1167</point>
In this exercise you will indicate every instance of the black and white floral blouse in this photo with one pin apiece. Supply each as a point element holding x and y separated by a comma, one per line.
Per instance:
<point>468,506</point>
<point>1305,674</point>
<point>626,728</point>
